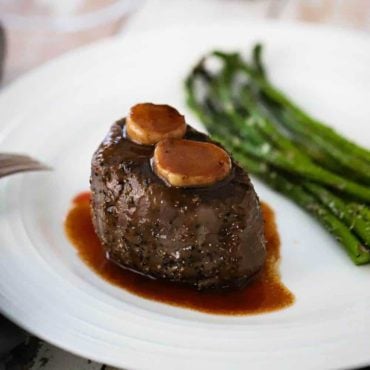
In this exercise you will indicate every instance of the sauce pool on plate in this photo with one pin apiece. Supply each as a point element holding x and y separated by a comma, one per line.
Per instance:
<point>266,293</point>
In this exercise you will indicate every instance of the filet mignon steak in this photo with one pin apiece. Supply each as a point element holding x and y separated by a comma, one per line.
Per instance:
<point>209,237</point>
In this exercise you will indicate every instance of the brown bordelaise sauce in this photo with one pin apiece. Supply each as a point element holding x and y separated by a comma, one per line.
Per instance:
<point>266,293</point>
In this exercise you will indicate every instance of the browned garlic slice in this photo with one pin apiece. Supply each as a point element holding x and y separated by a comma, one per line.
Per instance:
<point>188,163</point>
<point>149,123</point>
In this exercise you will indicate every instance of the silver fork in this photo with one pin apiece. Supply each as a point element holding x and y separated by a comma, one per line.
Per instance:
<point>14,163</point>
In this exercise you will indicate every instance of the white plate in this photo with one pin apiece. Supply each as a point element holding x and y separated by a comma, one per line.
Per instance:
<point>61,112</point>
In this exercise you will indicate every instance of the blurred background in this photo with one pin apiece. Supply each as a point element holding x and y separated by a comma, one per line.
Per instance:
<point>33,32</point>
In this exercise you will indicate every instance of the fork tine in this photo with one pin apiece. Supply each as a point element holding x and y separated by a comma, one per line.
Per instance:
<point>14,163</point>
<point>17,161</point>
<point>24,168</point>
<point>10,156</point>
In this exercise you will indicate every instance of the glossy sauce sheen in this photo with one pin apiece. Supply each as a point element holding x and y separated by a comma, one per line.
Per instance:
<point>266,293</point>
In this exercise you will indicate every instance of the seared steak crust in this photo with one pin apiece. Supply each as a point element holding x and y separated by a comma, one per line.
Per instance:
<point>209,237</point>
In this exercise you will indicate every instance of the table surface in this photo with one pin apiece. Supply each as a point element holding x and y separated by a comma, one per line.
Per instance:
<point>354,14</point>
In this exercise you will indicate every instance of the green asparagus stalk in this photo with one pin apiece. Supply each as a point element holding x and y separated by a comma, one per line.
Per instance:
<point>360,210</point>
<point>223,133</point>
<point>287,161</point>
<point>342,210</point>
<point>357,165</point>
<point>313,126</point>
<point>331,144</point>
<point>249,119</point>
<point>272,116</point>
<point>355,248</point>
<point>257,61</point>
<point>335,204</point>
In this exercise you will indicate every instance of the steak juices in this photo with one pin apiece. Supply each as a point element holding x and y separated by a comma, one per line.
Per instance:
<point>169,203</point>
